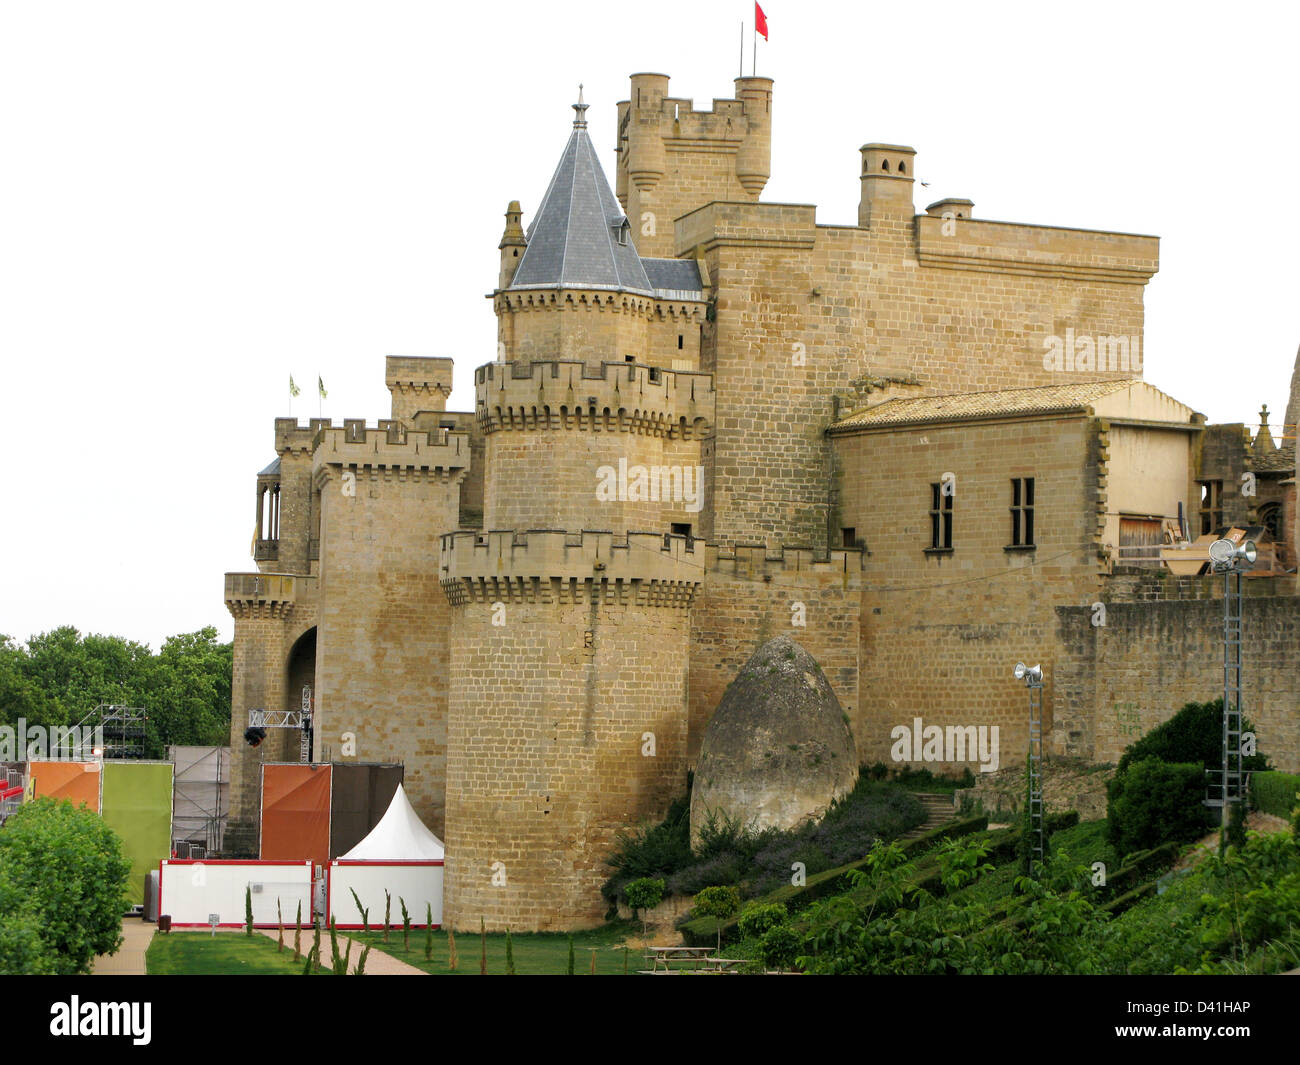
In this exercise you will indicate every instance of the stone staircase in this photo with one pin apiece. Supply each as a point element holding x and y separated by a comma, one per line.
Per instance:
<point>939,809</point>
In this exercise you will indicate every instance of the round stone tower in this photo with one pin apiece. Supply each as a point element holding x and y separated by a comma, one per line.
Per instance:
<point>567,719</point>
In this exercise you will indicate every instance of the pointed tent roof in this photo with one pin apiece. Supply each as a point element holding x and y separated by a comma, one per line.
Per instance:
<point>573,240</point>
<point>400,836</point>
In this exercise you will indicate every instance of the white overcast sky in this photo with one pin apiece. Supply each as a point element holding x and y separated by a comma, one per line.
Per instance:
<point>198,199</point>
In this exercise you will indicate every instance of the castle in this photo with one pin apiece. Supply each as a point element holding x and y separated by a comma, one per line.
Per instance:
<point>921,445</point>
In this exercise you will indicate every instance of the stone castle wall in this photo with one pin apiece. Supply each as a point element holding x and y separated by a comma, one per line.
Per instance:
<point>563,446</point>
<point>382,657</point>
<point>567,652</point>
<point>271,613</point>
<point>805,312</point>
<point>592,326</point>
<point>748,597</point>
<point>1118,681</point>
<point>941,632</point>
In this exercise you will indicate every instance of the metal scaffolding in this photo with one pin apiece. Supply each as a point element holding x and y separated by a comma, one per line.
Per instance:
<point>1036,767</point>
<point>123,730</point>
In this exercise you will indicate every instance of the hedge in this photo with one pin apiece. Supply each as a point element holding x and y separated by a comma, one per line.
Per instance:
<point>1275,793</point>
<point>703,931</point>
<point>1140,867</point>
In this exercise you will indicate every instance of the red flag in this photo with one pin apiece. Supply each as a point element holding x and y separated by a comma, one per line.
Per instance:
<point>760,21</point>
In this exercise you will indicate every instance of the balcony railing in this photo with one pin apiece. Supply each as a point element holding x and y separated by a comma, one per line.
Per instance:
<point>260,587</point>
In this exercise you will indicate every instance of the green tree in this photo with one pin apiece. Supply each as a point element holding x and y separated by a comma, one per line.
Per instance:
<point>67,867</point>
<point>719,903</point>
<point>60,676</point>
<point>22,950</point>
<point>1154,802</point>
<point>643,894</point>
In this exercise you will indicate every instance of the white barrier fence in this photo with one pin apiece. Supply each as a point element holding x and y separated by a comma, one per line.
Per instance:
<point>191,892</point>
<point>418,884</point>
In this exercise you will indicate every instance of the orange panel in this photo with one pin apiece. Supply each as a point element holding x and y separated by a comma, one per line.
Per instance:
<point>296,813</point>
<point>76,781</point>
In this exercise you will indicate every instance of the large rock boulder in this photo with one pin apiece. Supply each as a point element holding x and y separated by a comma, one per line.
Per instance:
<point>778,749</point>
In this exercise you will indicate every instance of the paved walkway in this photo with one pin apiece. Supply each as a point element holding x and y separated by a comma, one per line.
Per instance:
<point>377,962</point>
<point>129,959</point>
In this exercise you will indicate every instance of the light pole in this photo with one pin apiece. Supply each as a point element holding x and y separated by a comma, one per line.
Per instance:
<point>1232,560</point>
<point>1033,678</point>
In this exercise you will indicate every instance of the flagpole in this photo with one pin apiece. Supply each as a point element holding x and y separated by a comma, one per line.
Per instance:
<point>754,68</point>
<point>741,74</point>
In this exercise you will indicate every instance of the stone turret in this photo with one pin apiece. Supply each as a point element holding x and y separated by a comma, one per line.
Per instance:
<point>887,177</point>
<point>580,289</point>
<point>673,159</point>
<point>567,718</point>
<point>1290,429</point>
<point>512,244</point>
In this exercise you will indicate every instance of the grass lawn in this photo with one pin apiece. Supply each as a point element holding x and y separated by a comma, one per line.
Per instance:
<point>535,953</point>
<point>225,954</point>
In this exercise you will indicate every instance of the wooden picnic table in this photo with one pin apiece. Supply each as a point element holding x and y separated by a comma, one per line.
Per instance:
<point>722,965</point>
<point>661,956</point>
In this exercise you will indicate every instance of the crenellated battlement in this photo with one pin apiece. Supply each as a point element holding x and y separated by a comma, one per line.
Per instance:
<point>602,300</point>
<point>290,437</point>
<point>263,595</point>
<point>619,397</point>
<point>552,565</point>
<point>789,565</point>
<point>673,158</point>
<point>390,447</point>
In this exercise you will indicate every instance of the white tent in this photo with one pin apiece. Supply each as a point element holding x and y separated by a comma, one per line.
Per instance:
<point>400,836</point>
<point>400,856</point>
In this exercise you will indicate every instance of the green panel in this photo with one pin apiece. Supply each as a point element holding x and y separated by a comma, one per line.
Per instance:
<point>138,807</point>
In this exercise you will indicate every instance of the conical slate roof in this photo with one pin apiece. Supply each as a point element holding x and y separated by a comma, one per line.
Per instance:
<point>1292,416</point>
<point>574,239</point>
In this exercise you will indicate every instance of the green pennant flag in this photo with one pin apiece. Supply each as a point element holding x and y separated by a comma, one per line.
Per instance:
<point>293,389</point>
<point>320,385</point>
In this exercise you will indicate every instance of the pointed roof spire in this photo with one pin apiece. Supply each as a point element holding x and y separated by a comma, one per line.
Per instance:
<point>1289,427</point>
<point>1263,439</point>
<point>580,120</point>
<point>580,237</point>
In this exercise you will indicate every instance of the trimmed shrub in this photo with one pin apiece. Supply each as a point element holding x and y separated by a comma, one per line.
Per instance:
<point>1275,793</point>
<point>1155,802</point>
<point>1194,734</point>
<point>779,947</point>
<point>65,880</point>
<point>757,919</point>
<point>643,894</point>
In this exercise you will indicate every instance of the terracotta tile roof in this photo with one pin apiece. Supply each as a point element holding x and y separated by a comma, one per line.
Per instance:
<point>963,405</point>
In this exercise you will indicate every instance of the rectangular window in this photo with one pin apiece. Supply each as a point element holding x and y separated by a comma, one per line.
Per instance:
<point>941,517</point>
<point>1022,512</point>
<point>850,536</point>
<point>1211,506</point>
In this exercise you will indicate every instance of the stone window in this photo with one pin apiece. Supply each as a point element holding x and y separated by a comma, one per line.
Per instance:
<point>1211,506</point>
<point>849,536</point>
<point>1022,512</point>
<point>940,518</point>
<point>1270,516</point>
